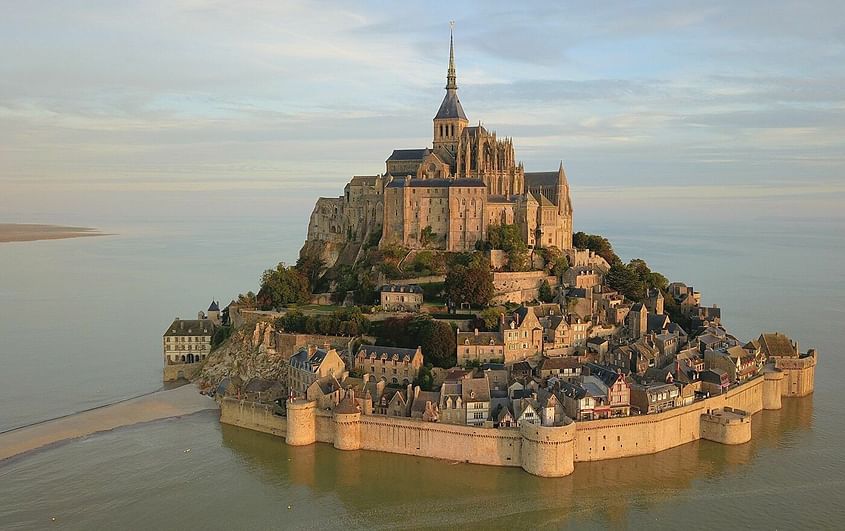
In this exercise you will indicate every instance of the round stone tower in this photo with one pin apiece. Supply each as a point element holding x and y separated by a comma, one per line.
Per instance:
<point>772,388</point>
<point>548,451</point>
<point>302,422</point>
<point>347,425</point>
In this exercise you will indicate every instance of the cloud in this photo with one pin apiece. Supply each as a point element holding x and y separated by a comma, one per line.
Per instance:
<point>185,92</point>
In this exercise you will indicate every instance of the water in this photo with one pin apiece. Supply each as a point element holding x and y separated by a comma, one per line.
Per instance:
<point>83,320</point>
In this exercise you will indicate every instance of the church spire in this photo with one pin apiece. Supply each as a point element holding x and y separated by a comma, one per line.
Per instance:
<point>451,81</point>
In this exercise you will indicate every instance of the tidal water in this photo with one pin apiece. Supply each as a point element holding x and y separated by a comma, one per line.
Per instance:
<point>81,323</point>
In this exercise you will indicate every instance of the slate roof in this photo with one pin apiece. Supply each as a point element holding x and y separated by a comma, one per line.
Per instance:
<point>438,183</point>
<point>398,288</point>
<point>605,374</point>
<point>424,396</point>
<point>499,199</point>
<point>482,338</point>
<point>778,345</point>
<point>311,363</point>
<point>376,351</point>
<point>214,307</point>
<point>475,390</point>
<point>190,327</point>
<point>521,366</point>
<point>559,363</point>
<point>536,179</point>
<point>657,322</point>
<point>451,106</point>
<point>408,154</point>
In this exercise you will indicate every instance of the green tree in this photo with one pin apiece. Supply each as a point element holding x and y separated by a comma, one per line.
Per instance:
<point>311,266</point>
<point>598,244</point>
<point>545,292</point>
<point>282,286</point>
<point>626,281</point>
<point>424,378</point>
<point>472,284</point>
<point>491,316</point>
<point>437,340</point>
<point>221,334</point>
<point>507,238</point>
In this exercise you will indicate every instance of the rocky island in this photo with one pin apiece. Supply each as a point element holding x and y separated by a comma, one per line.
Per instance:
<point>445,308</point>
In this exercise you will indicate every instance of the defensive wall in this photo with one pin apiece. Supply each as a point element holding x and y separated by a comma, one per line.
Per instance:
<point>542,451</point>
<point>519,287</point>
<point>180,371</point>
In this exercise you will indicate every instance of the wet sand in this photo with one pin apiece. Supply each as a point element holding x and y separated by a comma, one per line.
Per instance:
<point>28,232</point>
<point>183,400</point>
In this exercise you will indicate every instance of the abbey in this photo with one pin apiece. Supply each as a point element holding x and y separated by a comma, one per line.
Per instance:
<point>446,196</point>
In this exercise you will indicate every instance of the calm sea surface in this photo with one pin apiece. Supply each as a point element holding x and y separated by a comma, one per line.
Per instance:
<point>82,321</point>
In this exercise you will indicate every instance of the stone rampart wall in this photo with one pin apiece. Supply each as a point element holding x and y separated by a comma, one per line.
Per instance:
<point>171,373</point>
<point>258,417</point>
<point>540,451</point>
<point>519,287</point>
<point>647,434</point>
<point>485,446</point>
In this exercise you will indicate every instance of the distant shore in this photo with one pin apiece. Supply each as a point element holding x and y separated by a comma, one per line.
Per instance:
<point>30,232</point>
<point>178,402</point>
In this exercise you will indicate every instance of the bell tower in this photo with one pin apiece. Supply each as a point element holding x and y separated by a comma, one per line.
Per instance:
<point>450,120</point>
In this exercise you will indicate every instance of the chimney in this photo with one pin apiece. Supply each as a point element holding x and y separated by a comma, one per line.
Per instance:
<point>366,377</point>
<point>312,349</point>
<point>416,391</point>
<point>476,331</point>
<point>410,394</point>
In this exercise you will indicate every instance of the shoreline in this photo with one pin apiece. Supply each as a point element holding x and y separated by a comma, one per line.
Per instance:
<point>31,232</point>
<point>158,405</point>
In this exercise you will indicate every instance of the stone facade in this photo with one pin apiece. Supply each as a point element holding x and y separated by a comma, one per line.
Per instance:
<point>185,344</point>
<point>445,197</point>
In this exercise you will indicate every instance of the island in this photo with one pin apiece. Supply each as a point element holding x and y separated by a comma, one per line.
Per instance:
<point>444,308</point>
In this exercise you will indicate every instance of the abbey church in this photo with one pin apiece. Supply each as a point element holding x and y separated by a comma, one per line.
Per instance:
<point>446,196</point>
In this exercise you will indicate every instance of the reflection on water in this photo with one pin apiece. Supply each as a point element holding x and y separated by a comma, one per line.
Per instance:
<point>379,487</point>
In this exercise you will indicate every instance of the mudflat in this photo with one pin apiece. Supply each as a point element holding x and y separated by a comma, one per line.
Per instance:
<point>183,400</point>
<point>30,232</point>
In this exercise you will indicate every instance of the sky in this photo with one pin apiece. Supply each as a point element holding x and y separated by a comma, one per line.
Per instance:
<point>668,99</point>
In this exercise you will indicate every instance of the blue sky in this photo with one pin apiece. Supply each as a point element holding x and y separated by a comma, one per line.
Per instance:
<point>655,96</point>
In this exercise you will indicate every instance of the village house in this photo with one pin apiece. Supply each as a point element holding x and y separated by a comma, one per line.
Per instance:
<point>187,341</point>
<point>654,301</point>
<point>526,409</point>
<point>522,335</point>
<point>309,365</point>
<point>580,401</point>
<point>637,320</point>
<point>566,367</point>
<point>395,365</point>
<point>715,381</point>
<point>475,393</point>
<point>394,403</point>
<point>425,405</point>
<point>326,391</point>
<point>654,398</point>
<point>400,298</point>
<point>479,347</point>
<point>618,389</point>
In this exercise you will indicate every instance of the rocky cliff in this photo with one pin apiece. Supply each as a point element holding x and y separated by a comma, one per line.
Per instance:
<point>248,354</point>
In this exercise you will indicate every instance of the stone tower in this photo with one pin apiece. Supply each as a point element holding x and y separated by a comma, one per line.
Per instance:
<point>564,208</point>
<point>450,120</point>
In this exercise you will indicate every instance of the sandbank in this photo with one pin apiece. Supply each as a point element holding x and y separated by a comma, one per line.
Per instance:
<point>183,400</point>
<point>30,232</point>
